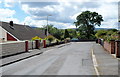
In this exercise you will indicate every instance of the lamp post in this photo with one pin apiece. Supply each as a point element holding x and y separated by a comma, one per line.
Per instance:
<point>47,23</point>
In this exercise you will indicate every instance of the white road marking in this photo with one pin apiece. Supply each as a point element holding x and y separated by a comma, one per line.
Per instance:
<point>95,63</point>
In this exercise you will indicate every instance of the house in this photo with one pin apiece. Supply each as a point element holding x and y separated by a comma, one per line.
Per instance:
<point>18,32</point>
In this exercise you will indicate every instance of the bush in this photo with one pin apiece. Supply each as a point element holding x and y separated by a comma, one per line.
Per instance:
<point>107,35</point>
<point>36,38</point>
<point>101,34</point>
<point>50,38</point>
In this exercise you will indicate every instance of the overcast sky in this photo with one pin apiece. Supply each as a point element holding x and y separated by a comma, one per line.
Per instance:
<point>64,12</point>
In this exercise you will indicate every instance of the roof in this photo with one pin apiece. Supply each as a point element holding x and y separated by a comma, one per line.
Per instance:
<point>23,32</point>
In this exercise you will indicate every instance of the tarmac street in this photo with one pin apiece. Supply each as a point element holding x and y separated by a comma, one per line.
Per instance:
<point>74,58</point>
<point>71,59</point>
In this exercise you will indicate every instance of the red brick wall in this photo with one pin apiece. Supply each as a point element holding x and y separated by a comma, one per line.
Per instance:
<point>107,46</point>
<point>112,46</point>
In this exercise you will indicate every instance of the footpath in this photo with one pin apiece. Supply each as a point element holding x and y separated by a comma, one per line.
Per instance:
<point>104,63</point>
<point>31,53</point>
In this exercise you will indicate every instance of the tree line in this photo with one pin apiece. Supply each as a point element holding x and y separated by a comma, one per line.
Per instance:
<point>85,27</point>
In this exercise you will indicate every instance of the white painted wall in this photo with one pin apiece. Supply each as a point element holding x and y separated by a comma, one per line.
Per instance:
<point>3,34</point>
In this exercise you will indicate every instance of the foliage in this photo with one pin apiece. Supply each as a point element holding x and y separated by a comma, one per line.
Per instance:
<point>36,38</point>
<point>66,35</point>
<point>86,22</point>
<point>101,33</point>
<point>73,33</point>
<point>110,34</point>
<point>57,33</point>
<point>50,38</point>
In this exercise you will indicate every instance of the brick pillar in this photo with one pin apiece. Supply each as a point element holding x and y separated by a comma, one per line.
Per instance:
<point>44,43</point>
<point>112,48</point>
<point>26,46</point>
<point>117,48</point>
<point>37,44</point>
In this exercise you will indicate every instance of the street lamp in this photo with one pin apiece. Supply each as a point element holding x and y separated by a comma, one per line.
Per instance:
<point>47,23</point>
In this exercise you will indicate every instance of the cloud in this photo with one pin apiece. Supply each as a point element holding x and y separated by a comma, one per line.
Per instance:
<point>63,13</point>
<point>6,13</point>
<point>29,21</point>
<point>69,0</point>
<point>39,4</point>
<point>39,23</point>
<point>9,3</point>
<point>0,2</point>
<point>110,23</point>
<point>66,12</point>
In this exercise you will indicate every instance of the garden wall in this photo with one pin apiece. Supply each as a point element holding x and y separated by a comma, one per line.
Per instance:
<point>16,47</point>
<point>107,46</point>
<point>113,47</point>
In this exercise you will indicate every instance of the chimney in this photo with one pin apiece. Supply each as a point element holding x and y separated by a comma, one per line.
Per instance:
<point>11,23</point>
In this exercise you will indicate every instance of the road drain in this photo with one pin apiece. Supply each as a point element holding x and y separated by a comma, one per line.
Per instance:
<point>87,62</point>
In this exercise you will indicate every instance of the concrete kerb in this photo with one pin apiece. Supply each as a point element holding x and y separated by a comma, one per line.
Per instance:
<point>17,60</point>
<point>62,45</point>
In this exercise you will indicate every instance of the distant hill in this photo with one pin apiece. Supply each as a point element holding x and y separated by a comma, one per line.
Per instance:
<point>97,28</point>
<point>75,28</point>
<point>103,28</point>
<point>33,27</point>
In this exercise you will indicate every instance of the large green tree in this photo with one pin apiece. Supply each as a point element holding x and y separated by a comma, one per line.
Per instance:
<point>86,22</point>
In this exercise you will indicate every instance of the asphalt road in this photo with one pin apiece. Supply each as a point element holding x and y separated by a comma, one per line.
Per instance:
<point>71,59</point>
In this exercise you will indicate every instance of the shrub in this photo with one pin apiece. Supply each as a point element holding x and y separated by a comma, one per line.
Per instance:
<point>101,34</point>
<point>36,38</point>
<point>107,35</point>
<point>50,38</point>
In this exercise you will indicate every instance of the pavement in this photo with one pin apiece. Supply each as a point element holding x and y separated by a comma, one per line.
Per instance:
<point>106,64</point>
<point>22,56</point>
<point>75,58</point>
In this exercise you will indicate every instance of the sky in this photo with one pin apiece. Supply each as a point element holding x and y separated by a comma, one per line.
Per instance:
<point>63,12</point>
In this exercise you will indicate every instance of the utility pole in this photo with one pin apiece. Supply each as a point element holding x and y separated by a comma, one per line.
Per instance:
<point>47,23</point>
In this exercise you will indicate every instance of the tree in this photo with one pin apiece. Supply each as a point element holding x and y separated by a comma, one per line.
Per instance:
<point>66,34</point>
<point>72,33</point>
<point>57,33</point>
<point>87,21</point>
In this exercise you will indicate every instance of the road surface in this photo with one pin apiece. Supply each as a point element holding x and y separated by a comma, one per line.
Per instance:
<point>72,59</point>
